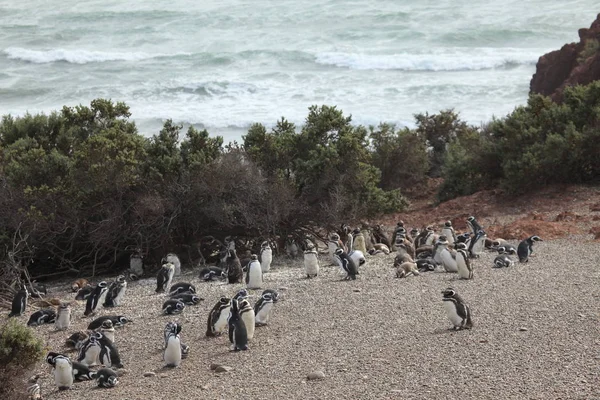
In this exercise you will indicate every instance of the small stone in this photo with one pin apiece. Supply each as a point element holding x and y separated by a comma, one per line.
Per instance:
<point>204,387</point>
<point>483,341</point>
<point>316,375</point>
<point>283,288</point>
<point>523,329</point>
<point>356,290</point>
<point>222,368</point>
<point>149,374</point>
<point>214,366</point>
<point>581,315</point>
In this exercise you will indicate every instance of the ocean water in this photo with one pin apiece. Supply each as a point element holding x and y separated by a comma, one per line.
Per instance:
<point>226,64</point>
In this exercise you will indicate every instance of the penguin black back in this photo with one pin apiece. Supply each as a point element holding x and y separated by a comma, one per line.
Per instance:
<point>347,264</point>
<point>234,268</point>
<point>19,303</point>
<point>238,335</point>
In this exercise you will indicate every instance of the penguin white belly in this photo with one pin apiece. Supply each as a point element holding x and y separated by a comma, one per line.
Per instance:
<point>63,320</point>
<point>119,297</point>
<point>250,322</point>
<point>479,245</point>
<point>172,354</point>
<point>429,240</point>
<point>463,271</point>
<point>266,258</point>
<point>449,235</point>
<point>255,280</point>
<point>92,356</point>
<point>101,300</point>
<point>448,261</point>
<point>177,265</point>
<point>263,314</point>
<point>452,314</point>
<point>332,248</point>
<point>358,257</point>
<point>311,264</point>
<point>221,323</point>
<point>63,374</point>
<point>110,335</point>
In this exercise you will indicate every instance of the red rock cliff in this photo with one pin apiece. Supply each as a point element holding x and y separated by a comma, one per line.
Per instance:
<point>574,63</point>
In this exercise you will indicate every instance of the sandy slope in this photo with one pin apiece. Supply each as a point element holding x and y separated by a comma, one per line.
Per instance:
<point>378,337</point>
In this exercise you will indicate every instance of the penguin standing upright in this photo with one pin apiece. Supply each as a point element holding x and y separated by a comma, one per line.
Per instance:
<point>108,330</point>
<point>311,262</point>
<point>359,241</point>
<point>107,378</point>
<point>334,244</point>
<point>463,262</point>
<point>172,352</point>
<point>136,265</point>
<point>247,316</point>
<point>291,247</point>
<point>63,317</point>
<point>19,303</point>
<point>164,277</point>
<point>217,318</point>
<point>172,258</point>
<point>254,276</point>
<point>62,370</point>
<point>458,312</point>
<point>347,264</point>
<point>233,267</point>
<point>399,229</point>
<point>89,354</point>
<point>380,236</point>
<point>109,354</point>
<point>115,292</point>
<point>448,231</point>
<point>447,257</point>
<point>526,248</point>
<point>477,243</point>
<point>96,298</point>
<point>266,256</point>
<point>85,292</point>
<point>238,336</point>
<point>262,309</point>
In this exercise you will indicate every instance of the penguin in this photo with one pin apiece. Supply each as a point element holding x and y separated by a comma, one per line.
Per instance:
<point>458,312</point>
<point>333,244</point>
<point>19,303</point>
<point>115,292</point>
<point>262,309</point>
<point>463,262</point>
<point>410,249</point>
<point>380,236</point>
<point>107,378</point>
<point>62,370</point>
<point>172,258</point>
<point>76,340</point>
<point>525,248</point>
<point>208,274</point>
<point>464,238</point>
<point>503,261</point>
<point>36,289</point>
<point>108,330</point>
<point>359,241</point>
<point>89,353</point>
<point>217,318</point>
<point>374,252</point>
<point>381,247</point>
<point>266,256</point>
<point>426,252</point>
<point>84,293</point>
<point>311,262</point>
<point>402,257</point>
<point>473,225</point>
<point>247,316</point>
<point>164,277</point>
<point>169,328</point>
<point>254,277</point>
<point>448,231</point>
<point>234,268</point>
<point>507,249</point>
<point>447,257</point>
<point>185,350</point>
<point>477,244</point>
<point>117,320</point>
<point>347,264</point>
<point>241,295</point>
<point>424,237</point>
<point>356,255</point>
<point>63,317</point>
<point>79,284</point>
<point>181,288</point>
<point>96,298</point>
<point>291,247</point>
<point>426,264</point>
<point>188,299</point>
<point>498,243</point>
<point>136,265</point>
<point>273,293</point>
<point>398,230</point>
<point>109,354</point>
<point>172,353</point>
<point>173,306</point>
<point>406,269</point>
<point>238,335</point>
<point>40,317</point>
<point>81,372</point>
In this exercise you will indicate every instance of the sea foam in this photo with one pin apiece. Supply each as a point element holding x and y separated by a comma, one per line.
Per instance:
<point>75,56</point>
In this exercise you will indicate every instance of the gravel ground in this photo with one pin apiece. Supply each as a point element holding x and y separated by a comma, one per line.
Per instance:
<point>536,335</point>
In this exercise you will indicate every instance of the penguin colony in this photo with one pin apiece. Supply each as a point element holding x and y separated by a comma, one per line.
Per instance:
<point>417,252</point>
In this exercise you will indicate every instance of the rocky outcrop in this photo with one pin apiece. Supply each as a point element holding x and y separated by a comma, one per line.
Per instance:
<point>573,64</point>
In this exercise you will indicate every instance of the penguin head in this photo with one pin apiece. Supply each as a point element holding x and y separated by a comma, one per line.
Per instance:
<point>535,238</point>
<point>243,304</point>
<point>241,294</point>
<point>335,237</point>
<point>180,305</point>
<point>339,251</point>
<point>254,257</point>
<point>442,240</point>
<point>107,324</point>
<point>429,229</point>
<point>449,293</point>
<point>400,224</point>
<point>267,297</point>
<point>448,224</point>
<point>264,244</point>
<point>471,219</point>
<point>224,301</point>
<point>460,246</point>
<point>102,284</point>
<point>414,231</point>
<point>273,293</point>
<point>51,357</point>
<point>123,320</point>
<point>120,278</point>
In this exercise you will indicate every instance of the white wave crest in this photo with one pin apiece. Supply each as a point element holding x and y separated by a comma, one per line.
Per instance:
<point>445,60</point>
<point>75,56</point>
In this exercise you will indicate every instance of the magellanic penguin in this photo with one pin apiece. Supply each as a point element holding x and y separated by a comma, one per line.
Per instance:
<point>291,247</point>
<point>82,372</point>
<point>181,288</point>
<point>217,318</point>
<point>463,262</point>
<point>96,298</point>
<point>458,312</point>
<point>172,353</point>
<point>311,262</point>
<point>107,378</point>
<point>477,243</point>
<point>526,248</point>
<point>188,299</point>
<point>247,316</point>
<point>448,258</point>
<point>164,277</point>
<point>241,294</point>
<point>359,241</point>
<point>172,258</point>
<point>238,336</point>
<point>380,236</point>
<point>40,317</point>
<point>262,309</point>
<point>115,292</point>
<point>109,354</point>
<point>79,284</point>
<point>136,265</point>
<point>503,261</point>
<point>173,306</point>
<point>507,249</point>
<point>448,231</point>
<point>89,354</point>
<point>380,247</point>
<point>76,340</point>
<point>356,255</point>
<point>403,242</point>
<point>19,303</point>
<point>398,230</point>
<point>62,370</point>
<point>117,320</point>
<point>347,264</point>
<point>273,293</point>
<point>63,317</point>
<point>84,293</point>
<point>334,244</point>
<point>208,274</point>
<point>233,267</point>
<point>108,330</point>
<point>406,269</point>
<point>266,256</point>
<point>254,276</point>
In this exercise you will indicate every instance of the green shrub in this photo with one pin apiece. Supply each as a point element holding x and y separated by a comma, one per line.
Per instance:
<point>19,346</point>
<point>591,47</point>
